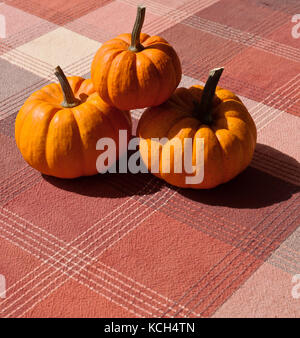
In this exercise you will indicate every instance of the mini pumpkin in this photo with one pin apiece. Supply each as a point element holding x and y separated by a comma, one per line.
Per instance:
<point>212,113</point>
<point>136,70</point>
<point>58,126</point>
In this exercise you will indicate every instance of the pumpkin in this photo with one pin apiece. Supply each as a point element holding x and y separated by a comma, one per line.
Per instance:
<point>57,128</point>
<point>213,114</point>
<point>136,70</point>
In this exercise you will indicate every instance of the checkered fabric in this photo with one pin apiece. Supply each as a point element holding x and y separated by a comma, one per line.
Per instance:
<point>124,245</point>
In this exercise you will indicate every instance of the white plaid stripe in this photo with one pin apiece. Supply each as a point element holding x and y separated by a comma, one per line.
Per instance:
<point>185,16</point>
<point>227,260</point>
<point>18,183</point>
<point>293,97</point>
<point>54,243</point>
<point>165,201</point>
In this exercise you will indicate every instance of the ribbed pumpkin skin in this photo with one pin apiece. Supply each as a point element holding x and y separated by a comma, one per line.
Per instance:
<point>130,80</point>
<point>229,142</point>
<point>61,141</point>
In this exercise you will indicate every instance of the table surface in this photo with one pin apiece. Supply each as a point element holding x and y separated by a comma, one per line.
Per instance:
<point>125,245</point>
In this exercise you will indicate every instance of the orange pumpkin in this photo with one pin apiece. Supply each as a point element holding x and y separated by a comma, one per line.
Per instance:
<point>213,114</point>
<point>58,127</point>
<point>136,70</point>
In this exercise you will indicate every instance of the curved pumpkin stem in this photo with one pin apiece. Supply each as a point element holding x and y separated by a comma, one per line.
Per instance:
<point>208,94</point>
<point>70,100</point>
<point>136,45</point>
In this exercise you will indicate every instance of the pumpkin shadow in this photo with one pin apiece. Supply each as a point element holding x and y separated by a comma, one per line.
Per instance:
<point>109,185</point>
<point>254,187</point>
<point>106,185</point>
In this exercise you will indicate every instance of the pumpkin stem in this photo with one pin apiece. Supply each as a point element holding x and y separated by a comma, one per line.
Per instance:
<point>208,94</point>
<point>136,45</point>
<point>70,100</point>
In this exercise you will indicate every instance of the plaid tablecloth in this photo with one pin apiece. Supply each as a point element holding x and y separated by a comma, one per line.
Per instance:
<point>124,245</point>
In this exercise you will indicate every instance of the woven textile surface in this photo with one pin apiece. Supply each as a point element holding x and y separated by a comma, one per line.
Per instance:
<point>125,245</point>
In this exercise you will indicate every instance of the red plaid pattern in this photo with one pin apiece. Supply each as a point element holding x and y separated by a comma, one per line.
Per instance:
<point>130,245</point>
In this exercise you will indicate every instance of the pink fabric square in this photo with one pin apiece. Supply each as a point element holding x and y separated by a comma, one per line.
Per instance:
<point>267,293</point>
<point>165,255</point>
<point>11,160</point>
<point>22,26</point>
<point>284,35</point>
<point>106,22</point>
<point>18,263</point>
<point>267,72</point>
<point>283,134</point>
<point>66,214</point>
<point>242,15</point>
<point>79,301</point>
